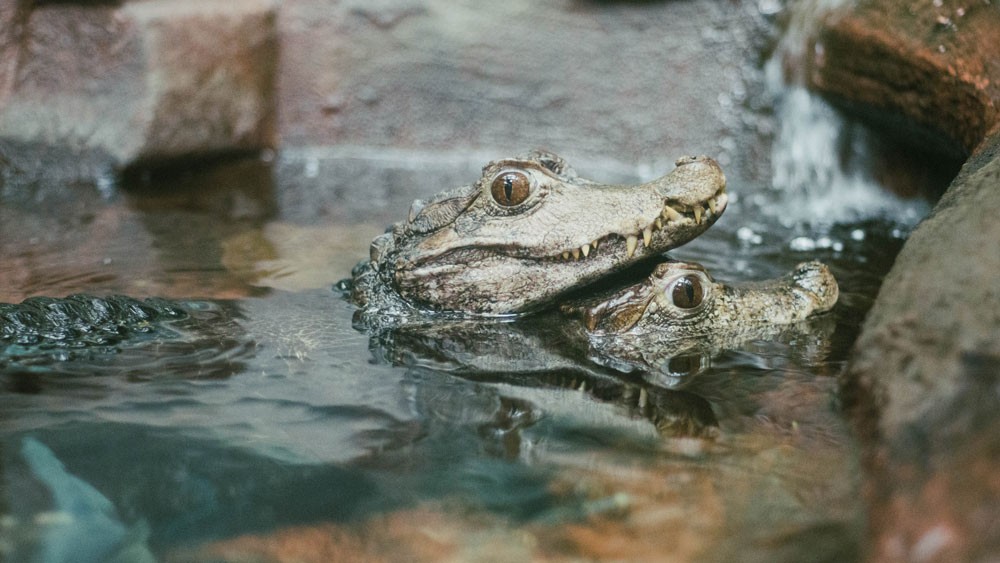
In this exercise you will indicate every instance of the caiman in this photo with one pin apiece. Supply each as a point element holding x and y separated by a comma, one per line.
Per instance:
<point>680,308</point>
<point>518,240</point>
<point>529,231</point>
<point>617,347</point>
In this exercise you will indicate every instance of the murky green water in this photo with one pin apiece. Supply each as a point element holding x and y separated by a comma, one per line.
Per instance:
<point>282,425</point>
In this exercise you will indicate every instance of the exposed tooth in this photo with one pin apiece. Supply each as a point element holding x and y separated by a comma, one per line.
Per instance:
<point>670,214</point>
<point>697,214</point>
<point>585,249</point>
<point>594,244</point>
<point>576,254</point>
<point>711,205</point>
<point>643,398</point>
<point>647,235</point>
<point>630,243</point>
<point>565,255</point>
<point>659,223</point>
<point>583,386</point>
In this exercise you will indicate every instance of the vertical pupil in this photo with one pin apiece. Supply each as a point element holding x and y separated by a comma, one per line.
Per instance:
<point>687,293</point>
<point>508,187</point>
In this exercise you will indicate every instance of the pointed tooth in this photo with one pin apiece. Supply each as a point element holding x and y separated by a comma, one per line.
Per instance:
<point>697,214</point>
<point>585,249</point>
<point>670,214</point>
<point>583,386</point>
<point>576,254</point>
<point>643,398</point>
<point>565,255</point>
<point>711,205</point>
<point>594,244</point>
<point>630,243</point>
<point>659,223</point>
<point>647,235</point>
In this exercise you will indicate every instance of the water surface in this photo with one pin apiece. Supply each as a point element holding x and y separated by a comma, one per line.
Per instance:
<point>273,421</point>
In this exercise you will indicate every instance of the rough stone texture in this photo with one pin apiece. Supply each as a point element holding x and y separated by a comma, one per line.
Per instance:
<point>923,384</point>
<point>930,67</point>
<point>639,82</point>
<point>138,81</point>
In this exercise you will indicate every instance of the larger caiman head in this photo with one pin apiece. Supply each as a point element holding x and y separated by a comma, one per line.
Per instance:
<point>528,231</point>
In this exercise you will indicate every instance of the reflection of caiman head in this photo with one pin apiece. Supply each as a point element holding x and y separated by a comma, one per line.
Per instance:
<point>680,309</point>
<point>529,230</point>
<point>540,361</point>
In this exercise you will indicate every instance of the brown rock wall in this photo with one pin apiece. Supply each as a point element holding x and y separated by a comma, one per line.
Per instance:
<point>934,63</point>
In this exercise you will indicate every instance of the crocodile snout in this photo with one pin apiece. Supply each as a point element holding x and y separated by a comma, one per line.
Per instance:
<point>816,281</point>
<point>696,180</point>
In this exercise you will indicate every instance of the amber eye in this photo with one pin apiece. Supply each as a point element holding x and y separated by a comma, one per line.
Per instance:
<point>510,188</point>
<point>687,292</point>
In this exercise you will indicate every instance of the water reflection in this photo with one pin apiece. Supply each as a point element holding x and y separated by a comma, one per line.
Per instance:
<point>271,417</point>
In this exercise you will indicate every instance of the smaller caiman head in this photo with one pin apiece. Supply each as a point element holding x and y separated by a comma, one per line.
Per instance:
<point>680,300</point>
<point>529,230</point>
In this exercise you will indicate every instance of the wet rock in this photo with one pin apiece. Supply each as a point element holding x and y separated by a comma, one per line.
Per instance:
<point>139,82</point>
<point>927,69</point>
<point>922,385</point>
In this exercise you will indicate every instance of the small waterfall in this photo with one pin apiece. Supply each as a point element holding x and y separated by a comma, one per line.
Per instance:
<point>821,169</point>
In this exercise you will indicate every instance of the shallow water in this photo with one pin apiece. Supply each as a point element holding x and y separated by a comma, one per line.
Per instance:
<point>268,420</point>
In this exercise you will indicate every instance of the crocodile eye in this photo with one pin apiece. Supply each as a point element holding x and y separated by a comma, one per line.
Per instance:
<point>510,188</point>
<point>687,292</point>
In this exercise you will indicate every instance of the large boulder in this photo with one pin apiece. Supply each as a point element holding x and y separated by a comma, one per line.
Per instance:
<point>928,69</point>
<point>924,383</point>
<point>138,82</point>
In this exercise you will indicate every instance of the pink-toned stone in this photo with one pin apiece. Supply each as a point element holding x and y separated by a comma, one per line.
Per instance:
<point>935,63</point>
<point>140,81</point>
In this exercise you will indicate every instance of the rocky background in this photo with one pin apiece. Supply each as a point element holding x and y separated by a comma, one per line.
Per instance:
<point>124,84</point>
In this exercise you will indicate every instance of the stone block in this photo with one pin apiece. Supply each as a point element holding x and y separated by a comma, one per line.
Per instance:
<point>140,82</point>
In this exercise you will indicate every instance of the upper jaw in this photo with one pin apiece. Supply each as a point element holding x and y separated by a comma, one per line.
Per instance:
<point>672,210</point>
<point>626,222</point>
<point>580,232</point>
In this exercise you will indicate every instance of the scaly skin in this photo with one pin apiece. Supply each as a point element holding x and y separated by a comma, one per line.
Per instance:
<point>481,250</point>
<point>621,353</point>
<point>80,320</point>
<point>680,307</point>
